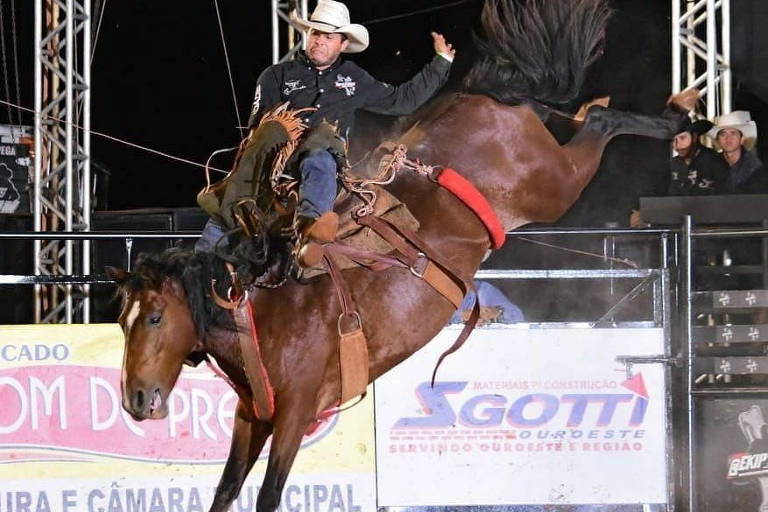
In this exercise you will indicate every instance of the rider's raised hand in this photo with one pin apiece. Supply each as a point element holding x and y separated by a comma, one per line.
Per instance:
<point>442,46</point>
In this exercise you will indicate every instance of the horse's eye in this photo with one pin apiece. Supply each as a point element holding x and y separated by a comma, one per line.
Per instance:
<point>154,318</point>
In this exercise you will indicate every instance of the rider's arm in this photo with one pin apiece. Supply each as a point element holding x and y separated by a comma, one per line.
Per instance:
<point>267,95</point>
<point>403,99</point>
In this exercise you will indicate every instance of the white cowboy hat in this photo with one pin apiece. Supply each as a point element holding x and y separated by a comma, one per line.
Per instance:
<point>740,120</point>
<point>333,17</point>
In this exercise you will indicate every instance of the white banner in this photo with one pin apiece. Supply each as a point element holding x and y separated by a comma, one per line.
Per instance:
<point>66,445</point>
<point>522,416</point>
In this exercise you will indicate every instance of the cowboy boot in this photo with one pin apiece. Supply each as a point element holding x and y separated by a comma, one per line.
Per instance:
<point>313,233</point>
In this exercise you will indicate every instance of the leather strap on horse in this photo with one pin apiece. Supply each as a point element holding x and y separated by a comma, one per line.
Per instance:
<point>422,260</point>
<point>353,347</point>
<point>438,274</point>
<point>262,394</point>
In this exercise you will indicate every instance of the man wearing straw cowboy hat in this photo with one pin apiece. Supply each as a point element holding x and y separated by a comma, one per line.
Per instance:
<point>319,78</point>
<point>736,134</point>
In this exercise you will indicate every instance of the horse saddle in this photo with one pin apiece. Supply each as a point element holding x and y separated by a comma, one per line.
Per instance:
<point>352,234</point>
<point>261,189</point>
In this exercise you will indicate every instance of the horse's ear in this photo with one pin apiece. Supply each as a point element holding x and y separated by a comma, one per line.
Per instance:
<point>117,274</point>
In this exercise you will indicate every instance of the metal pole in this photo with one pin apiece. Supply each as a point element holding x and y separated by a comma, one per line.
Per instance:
<point>712,86</point>
<point>666,322</point>
<point>676,53</point>
<point>726,74</point>
<point>38,163</point>
<point>691,36</point>
<point>688,340</point>
<point>275,33</point>
<point>68,149</point>
<point>86,162</point>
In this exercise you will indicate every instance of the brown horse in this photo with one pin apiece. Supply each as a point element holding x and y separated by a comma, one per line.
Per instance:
<point>494,137</point>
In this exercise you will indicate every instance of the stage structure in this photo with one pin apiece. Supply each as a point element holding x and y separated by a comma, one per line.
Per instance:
<point>701,51</point>
<point>62,175</point>
<point>281,14</point>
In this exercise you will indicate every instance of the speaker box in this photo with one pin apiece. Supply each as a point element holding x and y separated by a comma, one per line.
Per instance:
<point>16,259</point>
<point>116,253</point>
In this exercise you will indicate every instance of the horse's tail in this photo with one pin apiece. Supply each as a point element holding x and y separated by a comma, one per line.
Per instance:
<point>537,49</point>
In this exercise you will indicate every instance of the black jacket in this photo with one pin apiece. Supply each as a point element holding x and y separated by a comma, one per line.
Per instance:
<point>748,176</point>
<point>707,174</point>
<point>343,88</point>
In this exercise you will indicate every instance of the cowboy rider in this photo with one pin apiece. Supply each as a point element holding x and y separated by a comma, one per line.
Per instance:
<point>319,78</point>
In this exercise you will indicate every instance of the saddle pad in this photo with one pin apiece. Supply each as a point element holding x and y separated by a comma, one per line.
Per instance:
<point>352,234</point>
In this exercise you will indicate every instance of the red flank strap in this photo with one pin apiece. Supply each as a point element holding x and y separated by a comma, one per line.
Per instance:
<point>470,196</point>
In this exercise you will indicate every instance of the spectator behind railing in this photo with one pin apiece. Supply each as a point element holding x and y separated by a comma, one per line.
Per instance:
<point>735,134</point>
<point>695,169</point>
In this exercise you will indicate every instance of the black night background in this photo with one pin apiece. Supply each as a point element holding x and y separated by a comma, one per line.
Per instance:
<point>160,80</point>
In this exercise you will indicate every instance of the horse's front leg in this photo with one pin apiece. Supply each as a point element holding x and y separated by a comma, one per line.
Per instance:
<point>248,438</point>
<point>291,421</point>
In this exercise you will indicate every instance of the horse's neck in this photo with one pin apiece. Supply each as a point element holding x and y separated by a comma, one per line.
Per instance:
<point>222,344</point>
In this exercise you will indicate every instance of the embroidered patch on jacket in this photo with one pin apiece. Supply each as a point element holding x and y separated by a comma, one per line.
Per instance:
<point>293,86</point>
<point>346,83</point>
<point>256,100</point>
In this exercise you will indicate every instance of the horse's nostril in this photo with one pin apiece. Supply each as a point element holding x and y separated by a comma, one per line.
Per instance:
<point>138,400</point>
<point>157,401</point>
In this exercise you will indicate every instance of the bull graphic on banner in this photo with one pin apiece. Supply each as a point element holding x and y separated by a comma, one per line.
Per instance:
<point>743,467</point>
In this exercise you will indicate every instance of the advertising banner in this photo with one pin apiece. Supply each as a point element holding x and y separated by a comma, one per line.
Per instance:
<point>67,445</point>
<point>732,454</point>
<point>15,167</point>
<point>521,416</point>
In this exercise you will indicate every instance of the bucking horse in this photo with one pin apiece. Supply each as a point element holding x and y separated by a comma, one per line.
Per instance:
<point>491,138</point>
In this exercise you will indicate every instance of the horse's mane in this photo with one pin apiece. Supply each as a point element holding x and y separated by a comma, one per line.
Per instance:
<point>195,271</point>
<point>537,49</point>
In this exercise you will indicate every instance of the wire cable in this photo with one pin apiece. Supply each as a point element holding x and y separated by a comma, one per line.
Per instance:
<point>414,13</point>
<point>98,29</point>
<point>5,63</point>
<point>229,69</point>
<point>121,141</point>
<point>15,54</point>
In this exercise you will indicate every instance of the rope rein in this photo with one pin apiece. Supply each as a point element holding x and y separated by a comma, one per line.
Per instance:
<point>398,160</point>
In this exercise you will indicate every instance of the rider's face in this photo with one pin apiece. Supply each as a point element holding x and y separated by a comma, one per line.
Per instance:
<point>683,144</point>
<point>323,48</point>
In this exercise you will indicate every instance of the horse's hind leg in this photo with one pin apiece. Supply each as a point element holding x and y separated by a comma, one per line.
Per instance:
<point>611,122</point>
<point>248,438</point>
<point>289,428</point>
<point>585,149</point>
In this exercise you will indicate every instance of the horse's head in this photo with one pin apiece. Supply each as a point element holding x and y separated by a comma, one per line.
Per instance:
<point>160,335</point>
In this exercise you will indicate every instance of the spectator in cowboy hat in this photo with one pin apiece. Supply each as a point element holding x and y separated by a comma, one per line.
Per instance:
<point>736,134</point>
<point>696,169</point>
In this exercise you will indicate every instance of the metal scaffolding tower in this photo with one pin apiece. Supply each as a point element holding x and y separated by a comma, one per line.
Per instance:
<point>62,175</point>
<point>701,51</point>
<point>281,15</point>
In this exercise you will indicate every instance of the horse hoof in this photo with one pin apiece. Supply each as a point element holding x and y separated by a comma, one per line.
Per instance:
<point>600,102</point>
<point>685,101</point>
